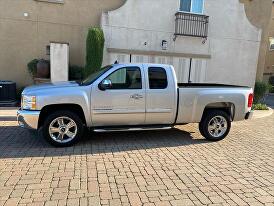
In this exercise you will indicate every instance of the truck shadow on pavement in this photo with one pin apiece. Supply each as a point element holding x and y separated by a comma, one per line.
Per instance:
<point>16,142</point>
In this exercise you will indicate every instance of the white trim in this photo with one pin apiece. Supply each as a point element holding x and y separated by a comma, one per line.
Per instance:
<point>193,12</point>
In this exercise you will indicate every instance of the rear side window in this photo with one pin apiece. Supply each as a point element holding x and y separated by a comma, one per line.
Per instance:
<point>157,78</point>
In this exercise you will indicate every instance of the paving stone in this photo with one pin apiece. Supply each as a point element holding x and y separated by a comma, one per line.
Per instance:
<point>140,168</point>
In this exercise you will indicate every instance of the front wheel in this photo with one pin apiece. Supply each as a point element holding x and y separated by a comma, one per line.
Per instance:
<point>63,128</point>
<point>215,125</point>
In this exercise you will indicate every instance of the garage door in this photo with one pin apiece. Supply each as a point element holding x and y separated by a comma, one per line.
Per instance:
<point>196,73</point>
<point>121,58</point>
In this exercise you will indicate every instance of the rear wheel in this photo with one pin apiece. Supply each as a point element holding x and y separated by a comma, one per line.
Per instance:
<point>215,125</point>
<point>63,128</point>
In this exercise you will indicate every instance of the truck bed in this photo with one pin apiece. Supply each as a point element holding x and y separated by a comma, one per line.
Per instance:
<point>195,97</point>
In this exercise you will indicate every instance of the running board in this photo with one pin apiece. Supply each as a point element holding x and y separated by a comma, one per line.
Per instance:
<point>131,129</point>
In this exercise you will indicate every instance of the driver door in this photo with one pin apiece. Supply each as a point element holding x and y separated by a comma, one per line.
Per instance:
<point>123,103</point>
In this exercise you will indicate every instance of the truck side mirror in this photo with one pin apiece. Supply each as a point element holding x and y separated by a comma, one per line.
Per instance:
<point>105,84</point>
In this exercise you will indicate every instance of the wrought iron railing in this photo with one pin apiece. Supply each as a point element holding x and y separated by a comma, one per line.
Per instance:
<point>189,24</point>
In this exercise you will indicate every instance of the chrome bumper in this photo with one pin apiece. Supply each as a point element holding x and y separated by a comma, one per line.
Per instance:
<point>28,119</point>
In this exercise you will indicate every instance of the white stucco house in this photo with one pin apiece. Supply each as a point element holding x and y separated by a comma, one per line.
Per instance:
<point>205,40</point>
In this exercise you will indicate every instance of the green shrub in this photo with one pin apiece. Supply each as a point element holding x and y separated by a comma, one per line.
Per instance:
<point>76,72</point>
<point>271,90</point>
<point>261,88</point>
<point>259,107</point>
<point>271,80</point>
<point>32,67</point>
<point>94,50</point>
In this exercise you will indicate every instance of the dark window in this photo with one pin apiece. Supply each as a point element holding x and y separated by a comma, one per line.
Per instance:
<point>126,78</point>
<point>157,78</point>
<point>48,50</point>
<point>271,44</point>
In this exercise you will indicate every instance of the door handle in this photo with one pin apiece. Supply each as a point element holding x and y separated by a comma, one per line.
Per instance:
<point>136,96</point>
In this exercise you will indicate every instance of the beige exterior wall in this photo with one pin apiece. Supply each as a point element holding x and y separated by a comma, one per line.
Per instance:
<point>25,38</point>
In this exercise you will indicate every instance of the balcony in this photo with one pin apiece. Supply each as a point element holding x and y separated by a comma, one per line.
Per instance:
<point>189,24</point>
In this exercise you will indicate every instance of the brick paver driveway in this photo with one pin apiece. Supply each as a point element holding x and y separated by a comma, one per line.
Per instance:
<point>176,167</point>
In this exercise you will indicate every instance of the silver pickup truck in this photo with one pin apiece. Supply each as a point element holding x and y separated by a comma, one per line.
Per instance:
<point>130,97</point>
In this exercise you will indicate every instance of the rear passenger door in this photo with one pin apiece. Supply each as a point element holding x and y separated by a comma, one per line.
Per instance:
<point>161,95</point>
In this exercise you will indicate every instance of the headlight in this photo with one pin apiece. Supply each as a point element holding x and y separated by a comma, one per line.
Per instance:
<point>28,102</point>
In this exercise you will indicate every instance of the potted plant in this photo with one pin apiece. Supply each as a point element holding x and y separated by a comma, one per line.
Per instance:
<point>43,68</point>
<point>39,68</point>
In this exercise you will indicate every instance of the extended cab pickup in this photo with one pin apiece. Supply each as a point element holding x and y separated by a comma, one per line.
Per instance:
<point>130,97</point>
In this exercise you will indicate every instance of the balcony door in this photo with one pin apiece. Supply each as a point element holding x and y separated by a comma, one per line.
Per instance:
<point>192,6</point>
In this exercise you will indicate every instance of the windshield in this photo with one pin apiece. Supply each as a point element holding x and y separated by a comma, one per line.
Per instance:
<point>92,77</point>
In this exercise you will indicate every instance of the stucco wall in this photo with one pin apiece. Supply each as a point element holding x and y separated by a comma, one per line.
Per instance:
<point>259,14</point>
<point>233,42</point>
<point>269,59</point>
<point>140,21</point>
<point>25,38</point>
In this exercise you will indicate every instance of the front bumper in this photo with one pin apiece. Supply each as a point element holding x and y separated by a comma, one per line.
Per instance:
<point>28,119</point>
<point>249,115</point>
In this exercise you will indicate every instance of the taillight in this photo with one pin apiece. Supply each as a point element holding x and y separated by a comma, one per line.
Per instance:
<point>250,100</point>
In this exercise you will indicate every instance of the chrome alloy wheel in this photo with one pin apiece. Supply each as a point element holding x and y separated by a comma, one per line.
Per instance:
<point>63,129</point>
<point>217,126</point>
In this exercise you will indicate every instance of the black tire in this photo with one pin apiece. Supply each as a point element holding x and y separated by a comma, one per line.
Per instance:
<point>204,124</point>
<point>201,129</point>
<point>64,113</point>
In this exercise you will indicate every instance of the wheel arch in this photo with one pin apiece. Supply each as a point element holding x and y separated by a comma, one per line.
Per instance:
<point>227,107</point>
<point>46,110</point>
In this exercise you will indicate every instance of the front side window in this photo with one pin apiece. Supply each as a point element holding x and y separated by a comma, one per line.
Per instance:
<point>193,6</point>
<point>92,77</point>
<point>157,78</point>
<point>126,78</point>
